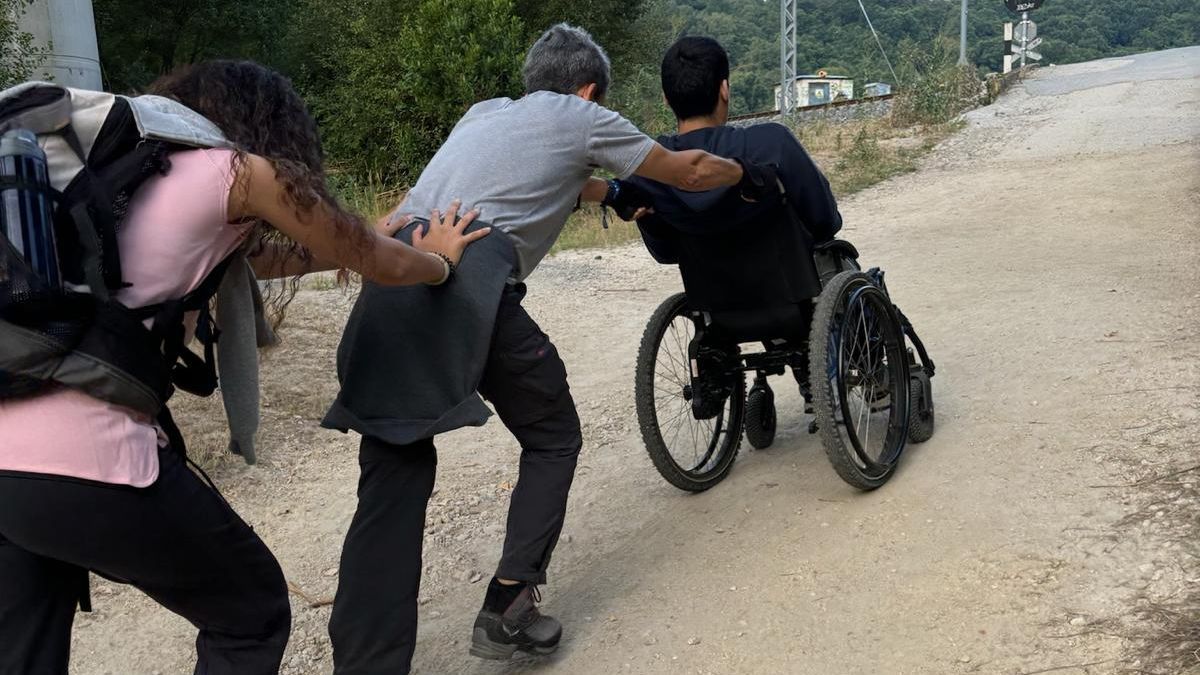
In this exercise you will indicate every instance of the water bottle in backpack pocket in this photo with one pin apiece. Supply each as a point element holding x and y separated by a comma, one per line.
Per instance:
<point>30,277</point>
<point>29,264</point>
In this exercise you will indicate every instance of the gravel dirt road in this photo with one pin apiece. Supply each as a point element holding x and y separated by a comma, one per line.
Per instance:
<point>1048,256</point>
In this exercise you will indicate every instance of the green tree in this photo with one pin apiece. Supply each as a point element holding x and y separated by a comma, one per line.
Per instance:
<point>18,54</point>
<point>637,88</point>
<point>142,39</point>
<point>612,22</point>
<point>401,73</point>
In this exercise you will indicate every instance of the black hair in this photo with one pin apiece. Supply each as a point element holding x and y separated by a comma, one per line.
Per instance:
<point>260,112</point>
<point>692,72</point>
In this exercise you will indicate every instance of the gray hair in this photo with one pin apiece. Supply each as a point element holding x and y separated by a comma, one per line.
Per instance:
<point>564,60</point>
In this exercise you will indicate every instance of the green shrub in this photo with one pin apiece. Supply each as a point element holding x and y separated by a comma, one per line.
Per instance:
<point>935,88</point>
<point>368,195</point>
<point>864,150</point>
<point>866,163</point>
<point>390,87</point>
<point>19,56</point>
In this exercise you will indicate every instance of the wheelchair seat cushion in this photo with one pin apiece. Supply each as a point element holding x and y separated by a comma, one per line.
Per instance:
<point>763,323</point>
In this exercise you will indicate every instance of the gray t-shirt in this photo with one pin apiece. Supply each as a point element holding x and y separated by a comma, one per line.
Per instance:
<point>523,164</point>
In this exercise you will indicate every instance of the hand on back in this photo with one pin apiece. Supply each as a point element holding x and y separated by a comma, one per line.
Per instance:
<point>446,234</point>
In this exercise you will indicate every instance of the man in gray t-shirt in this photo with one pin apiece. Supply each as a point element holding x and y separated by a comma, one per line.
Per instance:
<point>524,165</point>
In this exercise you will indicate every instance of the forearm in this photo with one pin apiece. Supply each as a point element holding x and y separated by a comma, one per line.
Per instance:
<point>278,261</point>
<point>398,264</point>
<point>386,261</point>
<point>827,222</point>
<point>807,188</point>
<point>691,170</point>
<point>334,238</point>
<point>594,190</point>
<point>710,172</point>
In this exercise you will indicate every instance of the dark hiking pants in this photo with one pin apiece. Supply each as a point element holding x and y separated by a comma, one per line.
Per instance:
<point>176,540</point>
<point>374,622</point>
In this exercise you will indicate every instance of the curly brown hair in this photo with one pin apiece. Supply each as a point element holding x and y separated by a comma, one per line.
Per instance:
<point>261,113</point>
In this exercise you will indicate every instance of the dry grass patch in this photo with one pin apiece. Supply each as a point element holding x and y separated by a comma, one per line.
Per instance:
<point>586,230</point>
<point>1162,626</point>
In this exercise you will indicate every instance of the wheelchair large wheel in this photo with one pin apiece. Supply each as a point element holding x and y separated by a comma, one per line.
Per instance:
<point>859,378</point>
<point>691,454</point>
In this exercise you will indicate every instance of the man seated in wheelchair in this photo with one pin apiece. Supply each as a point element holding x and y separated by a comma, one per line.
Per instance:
<point>746,259</point>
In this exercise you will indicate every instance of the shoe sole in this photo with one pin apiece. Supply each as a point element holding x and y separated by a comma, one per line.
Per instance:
<point>485,648</point>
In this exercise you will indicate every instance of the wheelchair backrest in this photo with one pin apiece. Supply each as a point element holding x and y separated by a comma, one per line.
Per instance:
<point>760,261</point>
<point>753,267</point>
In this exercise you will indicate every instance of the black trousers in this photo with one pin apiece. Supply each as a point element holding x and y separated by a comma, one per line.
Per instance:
<point>374,622</point>
<point>177,541</point>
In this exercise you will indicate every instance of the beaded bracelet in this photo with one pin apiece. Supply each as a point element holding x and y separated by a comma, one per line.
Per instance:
<point>449,269</point>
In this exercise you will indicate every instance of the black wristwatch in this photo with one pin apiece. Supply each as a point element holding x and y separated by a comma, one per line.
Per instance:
<point>613,193</point>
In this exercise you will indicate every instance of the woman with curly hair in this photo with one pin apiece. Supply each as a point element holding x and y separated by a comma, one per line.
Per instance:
<point>86,485</point>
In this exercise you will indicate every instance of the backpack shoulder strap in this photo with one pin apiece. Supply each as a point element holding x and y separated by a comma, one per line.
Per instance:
<point>162,119</point>
<point>194,301</point>
<point>190,372</point>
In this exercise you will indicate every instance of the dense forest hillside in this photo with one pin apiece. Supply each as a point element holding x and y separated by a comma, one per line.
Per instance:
<point>833,35</point>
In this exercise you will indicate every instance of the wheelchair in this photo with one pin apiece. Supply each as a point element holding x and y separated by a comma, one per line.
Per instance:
<point>856,358</point>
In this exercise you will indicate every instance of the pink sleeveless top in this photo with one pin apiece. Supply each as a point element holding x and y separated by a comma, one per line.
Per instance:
<point>176,232</point>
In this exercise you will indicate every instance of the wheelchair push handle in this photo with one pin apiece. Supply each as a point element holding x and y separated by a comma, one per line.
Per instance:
<point>760,182</point>
<point>627,199</point>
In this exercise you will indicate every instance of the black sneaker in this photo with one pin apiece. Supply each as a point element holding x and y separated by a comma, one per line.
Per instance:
<point>520,628</point>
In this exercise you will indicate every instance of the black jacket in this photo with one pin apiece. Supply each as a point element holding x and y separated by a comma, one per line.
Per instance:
<point>677,211</point>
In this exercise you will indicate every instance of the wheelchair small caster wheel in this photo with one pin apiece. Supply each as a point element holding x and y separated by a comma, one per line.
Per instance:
<point>920,409</point>
<point>760,417</point>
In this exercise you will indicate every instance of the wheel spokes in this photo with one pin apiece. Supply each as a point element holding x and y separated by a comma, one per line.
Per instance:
<point>866,386</point>
<point>691,442</point>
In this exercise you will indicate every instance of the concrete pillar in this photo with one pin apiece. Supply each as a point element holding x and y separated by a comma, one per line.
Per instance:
<point>962,44</point>
<point>68,29</point>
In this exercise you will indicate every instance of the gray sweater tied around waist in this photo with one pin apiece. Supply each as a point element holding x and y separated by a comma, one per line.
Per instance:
<point>411,357</point>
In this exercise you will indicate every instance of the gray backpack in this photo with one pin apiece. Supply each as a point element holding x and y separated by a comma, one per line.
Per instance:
<point>99,149</point>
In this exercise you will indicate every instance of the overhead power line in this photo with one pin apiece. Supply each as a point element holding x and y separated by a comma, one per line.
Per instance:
<point>878,42</point>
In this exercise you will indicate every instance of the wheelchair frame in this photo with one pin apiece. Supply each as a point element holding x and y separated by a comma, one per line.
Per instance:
<point>917,369</point>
